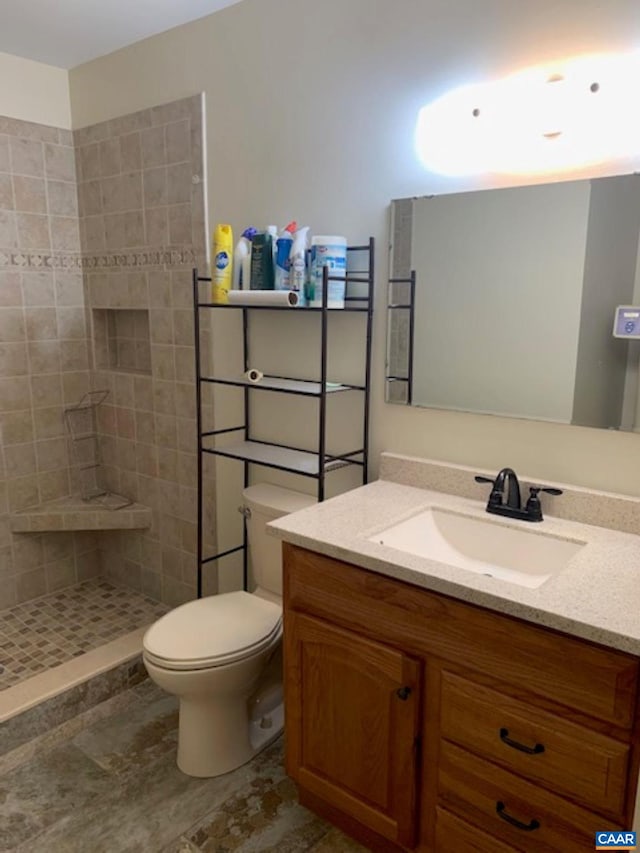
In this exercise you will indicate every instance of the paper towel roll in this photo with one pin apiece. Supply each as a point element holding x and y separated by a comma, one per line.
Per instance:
<point>254,375</point>
<point>284,298</point>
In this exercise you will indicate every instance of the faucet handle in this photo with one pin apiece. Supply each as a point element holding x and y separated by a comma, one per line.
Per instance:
<point>495,498</point>
<point>533,507</point>
<point>533,490</point>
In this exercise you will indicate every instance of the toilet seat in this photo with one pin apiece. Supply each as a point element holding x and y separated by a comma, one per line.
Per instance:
<point>213,631</point>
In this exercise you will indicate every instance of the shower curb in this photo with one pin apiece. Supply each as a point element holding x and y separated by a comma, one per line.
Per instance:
<point>37,720</point>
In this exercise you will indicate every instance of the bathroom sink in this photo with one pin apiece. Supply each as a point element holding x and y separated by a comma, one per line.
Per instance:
<point>518,555</point>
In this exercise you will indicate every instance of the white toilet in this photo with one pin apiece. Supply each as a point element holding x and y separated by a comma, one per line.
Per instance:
<point>221,655</point>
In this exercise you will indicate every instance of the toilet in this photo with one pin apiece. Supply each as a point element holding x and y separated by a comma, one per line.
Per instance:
<point>221,655</point>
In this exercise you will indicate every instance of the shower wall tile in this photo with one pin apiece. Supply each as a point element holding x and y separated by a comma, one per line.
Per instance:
<point>43,350</point>
<point>30,194</point>
<point>6,192</point>
<point>110,218</point>
<point>142,229</point>
<point>27,156</point>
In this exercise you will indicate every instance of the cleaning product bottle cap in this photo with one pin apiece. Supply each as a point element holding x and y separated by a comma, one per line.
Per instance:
<point>292,227</point>
<point>249,233</point>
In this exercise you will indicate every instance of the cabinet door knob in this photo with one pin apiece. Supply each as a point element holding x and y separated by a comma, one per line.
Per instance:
<point>501,810</point>
<point>403,693</point>
<point>530,750</point>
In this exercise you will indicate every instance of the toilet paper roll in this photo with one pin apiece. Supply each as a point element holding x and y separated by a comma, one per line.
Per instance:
<point>282,298</point>
<point>253,375</point>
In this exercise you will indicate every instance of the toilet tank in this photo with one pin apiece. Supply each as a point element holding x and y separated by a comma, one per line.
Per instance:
<point>265,503</point>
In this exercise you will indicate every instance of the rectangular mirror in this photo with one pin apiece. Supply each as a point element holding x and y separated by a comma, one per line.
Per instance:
<point>515,295</point>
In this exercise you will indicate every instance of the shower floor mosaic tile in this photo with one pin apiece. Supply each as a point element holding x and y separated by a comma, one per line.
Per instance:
<point>43,633</point>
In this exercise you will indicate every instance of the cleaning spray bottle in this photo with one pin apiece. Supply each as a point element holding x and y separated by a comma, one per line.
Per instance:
<point>222,263</point>
<point>283,261</point>
<point>298,264</point>
<point>242,260</point>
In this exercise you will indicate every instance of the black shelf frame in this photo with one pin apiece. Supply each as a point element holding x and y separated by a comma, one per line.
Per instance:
<point>409,306</point>
<point>326,462</point>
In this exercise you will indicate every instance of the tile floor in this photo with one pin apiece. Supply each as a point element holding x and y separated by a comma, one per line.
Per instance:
<point>114,787</point>
<point>48,631</point>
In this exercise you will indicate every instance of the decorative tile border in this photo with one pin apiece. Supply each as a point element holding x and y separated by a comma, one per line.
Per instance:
<point>147,258</point>
<point>39,261</point>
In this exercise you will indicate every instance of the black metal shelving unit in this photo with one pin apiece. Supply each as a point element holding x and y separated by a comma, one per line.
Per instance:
<point>312,464</point>
<point>409,306</point>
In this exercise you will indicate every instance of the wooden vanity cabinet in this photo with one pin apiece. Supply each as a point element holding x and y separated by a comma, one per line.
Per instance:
<point>355,705</point>
<point>417,722</point>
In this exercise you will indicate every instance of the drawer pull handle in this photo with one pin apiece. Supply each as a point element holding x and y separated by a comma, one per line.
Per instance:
<point>501,809</point>
<point>403,693</point>
<point>530,750</point>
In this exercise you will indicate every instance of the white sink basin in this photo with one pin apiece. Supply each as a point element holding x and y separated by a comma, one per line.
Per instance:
<point>519,555</point>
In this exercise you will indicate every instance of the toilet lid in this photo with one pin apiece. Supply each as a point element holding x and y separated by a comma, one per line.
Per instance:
<point>213,631</point>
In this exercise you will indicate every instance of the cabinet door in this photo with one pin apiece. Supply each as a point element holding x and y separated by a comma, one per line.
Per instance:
<point>352,711</point>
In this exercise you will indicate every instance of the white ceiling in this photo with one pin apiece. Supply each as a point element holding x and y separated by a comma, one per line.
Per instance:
<point>67,33</point>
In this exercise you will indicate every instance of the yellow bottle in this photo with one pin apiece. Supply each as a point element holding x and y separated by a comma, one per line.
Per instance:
<point>222,263</point>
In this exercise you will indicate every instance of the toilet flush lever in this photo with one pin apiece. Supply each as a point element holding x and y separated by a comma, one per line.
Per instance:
<point>245,511</point>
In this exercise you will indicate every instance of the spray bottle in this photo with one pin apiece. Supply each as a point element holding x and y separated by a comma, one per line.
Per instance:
<point>242,260</point>
<point>222,263</point>
<point>283,261</point>
<point>298,264</point>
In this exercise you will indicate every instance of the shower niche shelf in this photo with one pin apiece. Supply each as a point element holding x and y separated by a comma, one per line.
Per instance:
<point>74,513</point>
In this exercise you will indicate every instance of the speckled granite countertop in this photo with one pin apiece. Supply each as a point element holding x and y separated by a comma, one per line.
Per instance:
<point>596,597</point>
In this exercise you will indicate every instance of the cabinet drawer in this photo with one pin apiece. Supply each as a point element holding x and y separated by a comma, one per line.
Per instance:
<point>595,681</point>
<point>516,812</point>
<point>569,759</point>
<point>453,834</point>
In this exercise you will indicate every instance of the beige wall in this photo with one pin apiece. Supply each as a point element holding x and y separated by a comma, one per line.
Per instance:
<point>33,91</point>
<point>311,111</point>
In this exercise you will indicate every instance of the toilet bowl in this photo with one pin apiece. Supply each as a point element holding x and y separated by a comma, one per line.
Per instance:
<point>221,655</point>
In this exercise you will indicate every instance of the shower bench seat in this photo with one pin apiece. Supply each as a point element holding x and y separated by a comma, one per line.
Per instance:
<point>73,513</point>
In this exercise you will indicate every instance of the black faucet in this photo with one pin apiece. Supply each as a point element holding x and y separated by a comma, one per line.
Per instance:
<point>513,507</point>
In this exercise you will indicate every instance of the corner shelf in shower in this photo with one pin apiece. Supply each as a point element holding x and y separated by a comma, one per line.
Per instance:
<point>73,513</point>
<point>316,463</point>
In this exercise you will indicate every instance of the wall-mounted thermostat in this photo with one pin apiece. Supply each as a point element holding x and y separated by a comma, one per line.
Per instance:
<point>626,323</point>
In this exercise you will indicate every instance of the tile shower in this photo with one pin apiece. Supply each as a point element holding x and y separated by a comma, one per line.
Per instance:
<point>99,230</point>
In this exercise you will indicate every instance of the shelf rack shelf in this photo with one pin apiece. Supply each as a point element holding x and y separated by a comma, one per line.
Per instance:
<point>282,458</point>
<point>283,385</point>
<point>315,464</point>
